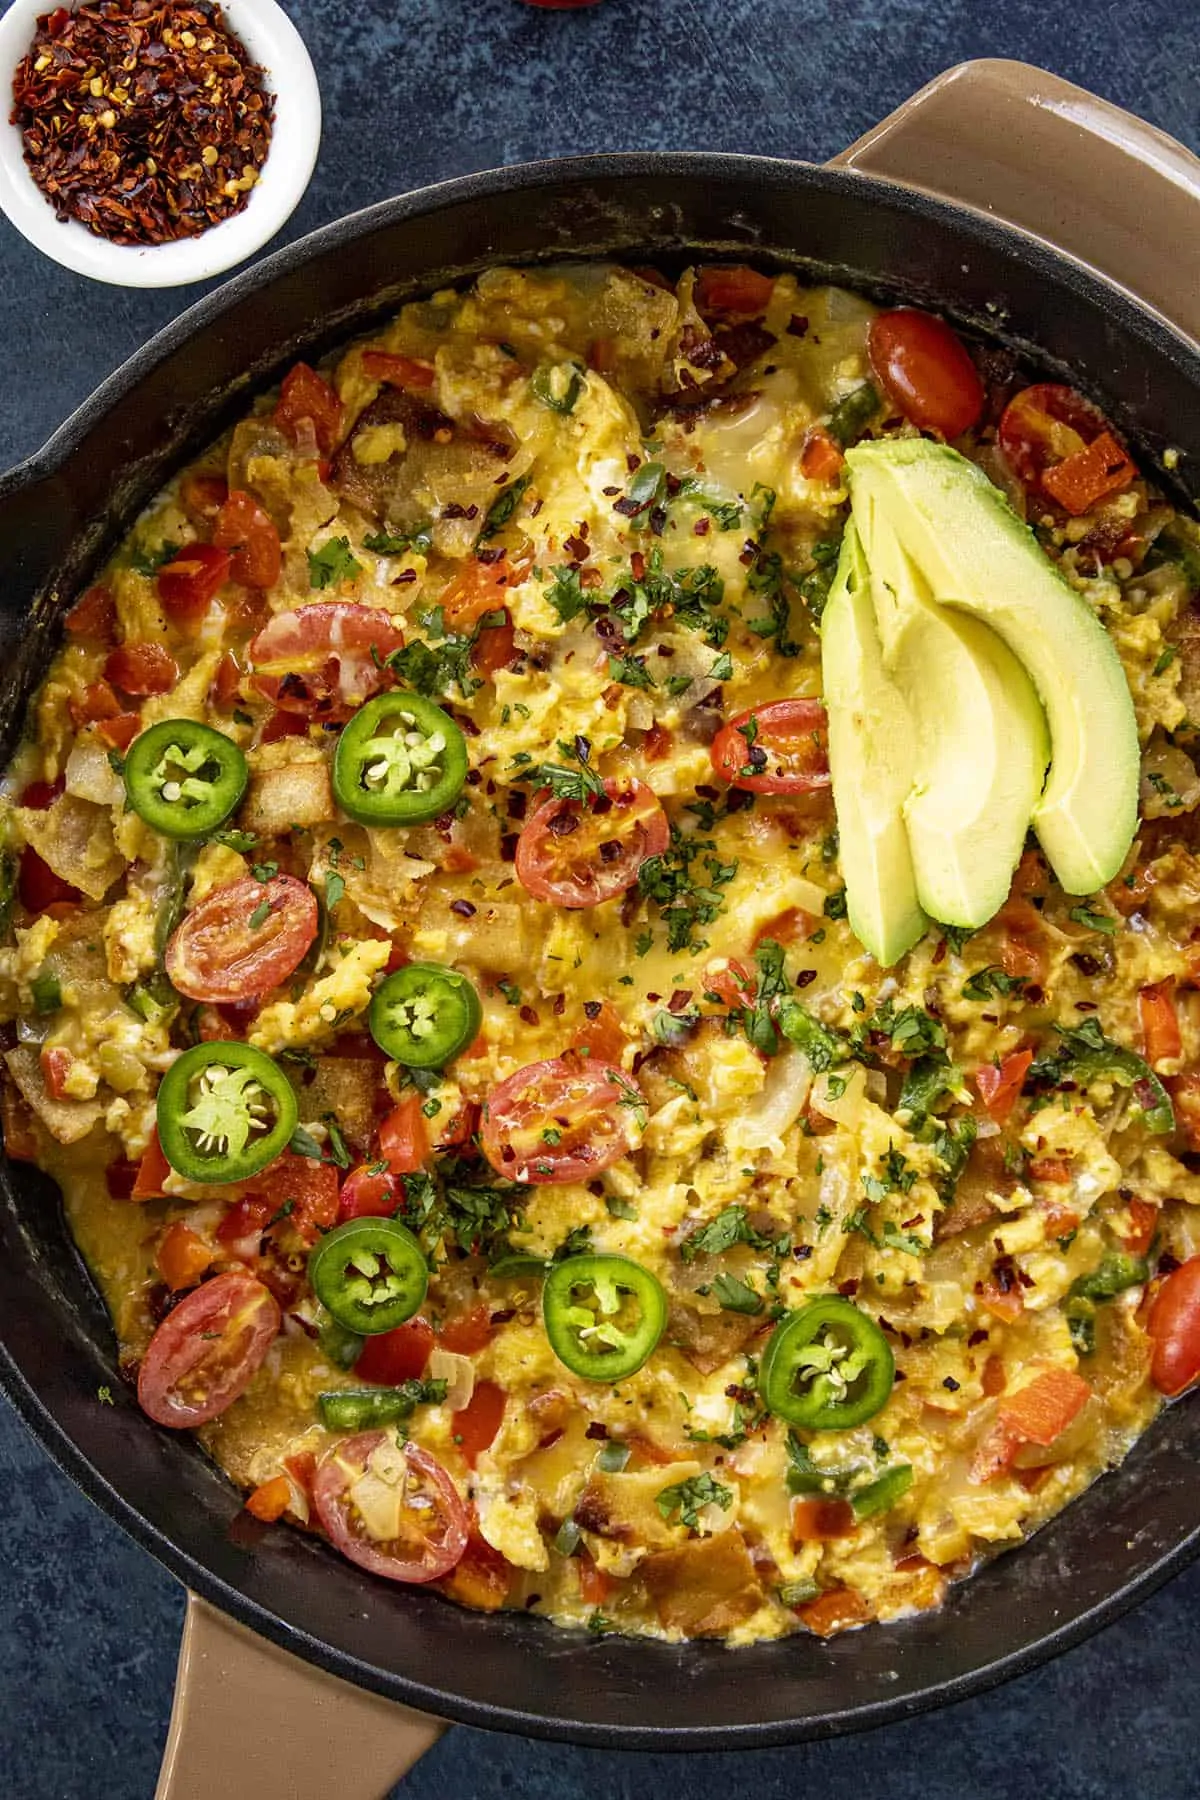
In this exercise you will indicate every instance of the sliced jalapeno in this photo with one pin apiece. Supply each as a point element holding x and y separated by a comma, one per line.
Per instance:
<point>557,385</point>
<point>362,1409</point>
<point>603,1315</point>
<point>424,1014</point>
<point>184,779</point>
<point>400,761</point>
<point>224,1112</point>
<point>370,1274</point>
<point>827,1367</point>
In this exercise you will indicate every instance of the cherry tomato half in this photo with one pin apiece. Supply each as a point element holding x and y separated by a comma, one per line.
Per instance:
<point>229,948</point>
<point>248,532</point>
<point>369,1193</point>
<point>927,371</point>
<point>205,1354</point>
<point>1174,1327</point>
<point>318,660</point>
<point>306,397</point>
<point>189,583</point>
<point>784,750</point>
<point>431,1522</point>
<point>580,853</point>
<point>564,1119</point>
<point>391,1357</point>
<point>403,1138</point>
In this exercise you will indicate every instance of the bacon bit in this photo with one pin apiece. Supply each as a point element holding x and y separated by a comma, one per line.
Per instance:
<point>835,1610</point>
<point>270,1501</point>
<point>786,928</point>
<point>145,120</point>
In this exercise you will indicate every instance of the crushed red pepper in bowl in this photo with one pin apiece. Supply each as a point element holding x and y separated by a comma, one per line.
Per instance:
<point>145,120</point>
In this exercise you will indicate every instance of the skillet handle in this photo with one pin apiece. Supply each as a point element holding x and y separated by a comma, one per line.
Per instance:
<point>249,1718</point>
<point>1036,152</point>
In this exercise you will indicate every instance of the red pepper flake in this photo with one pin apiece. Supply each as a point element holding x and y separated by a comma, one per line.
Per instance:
<point>144,120</point>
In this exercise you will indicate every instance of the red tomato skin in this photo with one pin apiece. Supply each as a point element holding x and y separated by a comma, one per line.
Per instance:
<point>94,615</point>
<point>587,1094</point>
<point>367,1195</point>
<point>283,725</point>
<point>495,648</point>
<point>324,660</point>
<point>121,730</point>
<point>999,1086</point>
<point>1174,1328</point>
<point>468,1332</point>
<point>56,1066</point>
<point>481,588</point>
<point>736,289</point>
<point>39,888</point>
<point>152,1172</point>
<point>779,722</point>
<point>926,370</point>
<point>403,1138</point>
<point>189,583</point>
<point>248,532</point>
<point>40,795</point>
<point>139,669</point>
<point>398,370</point>
<point>203,496</point>
<point>181,1345</point>
<point>330,1492</point>
<point>392,1357</point>
<point>601,1037</point>
<point>217,956</point>
<point>543,861</point>
<point>305,395</point>
<point>476,1425</point>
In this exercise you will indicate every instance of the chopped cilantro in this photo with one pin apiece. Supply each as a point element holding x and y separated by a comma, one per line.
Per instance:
<point>688,1498</point>
<point>332,563</point>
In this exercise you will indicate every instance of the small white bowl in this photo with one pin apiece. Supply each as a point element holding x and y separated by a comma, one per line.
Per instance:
<point>272,41</point>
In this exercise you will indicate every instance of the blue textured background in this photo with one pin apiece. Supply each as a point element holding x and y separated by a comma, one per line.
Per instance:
<point>416,90</point>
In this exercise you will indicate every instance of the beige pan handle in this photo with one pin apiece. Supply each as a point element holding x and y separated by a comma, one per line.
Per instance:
<point>1002,137</point>
<point>250,1720</point>
<point>1034,151</point>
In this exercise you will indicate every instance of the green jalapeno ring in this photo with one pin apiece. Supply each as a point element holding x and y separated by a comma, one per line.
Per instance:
<point>224,1111</point>
<point>424,1014</point>
<point>400,761</point>
<point>184,779</point>
<point>573,1328</point>
<point>369,1274</point>
<point>827,1367</point>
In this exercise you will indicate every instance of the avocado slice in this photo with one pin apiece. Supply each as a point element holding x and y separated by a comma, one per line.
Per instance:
<point>980,744</point>
<point>871,740</point>
<point>979,559</point>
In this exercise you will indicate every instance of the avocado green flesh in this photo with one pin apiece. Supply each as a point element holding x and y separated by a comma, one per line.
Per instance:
<point>981,745</point>
<point>871,739</point>
<point>979,559</point>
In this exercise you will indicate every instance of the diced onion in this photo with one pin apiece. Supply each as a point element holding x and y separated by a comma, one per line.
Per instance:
<point>458,1372</point>
<point>90,775</point>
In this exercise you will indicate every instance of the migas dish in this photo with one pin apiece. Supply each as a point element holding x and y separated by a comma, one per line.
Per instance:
<point>552,1199</point>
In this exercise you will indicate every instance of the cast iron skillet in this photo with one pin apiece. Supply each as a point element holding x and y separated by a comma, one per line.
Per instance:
<point>60,513</point>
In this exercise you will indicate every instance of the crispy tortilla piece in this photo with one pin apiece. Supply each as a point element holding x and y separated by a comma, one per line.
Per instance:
<point>66,1120</point>
<point>75,838</point>
<point>706,1587</point>
<point>295,793</point>
<point>709,1340</point>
